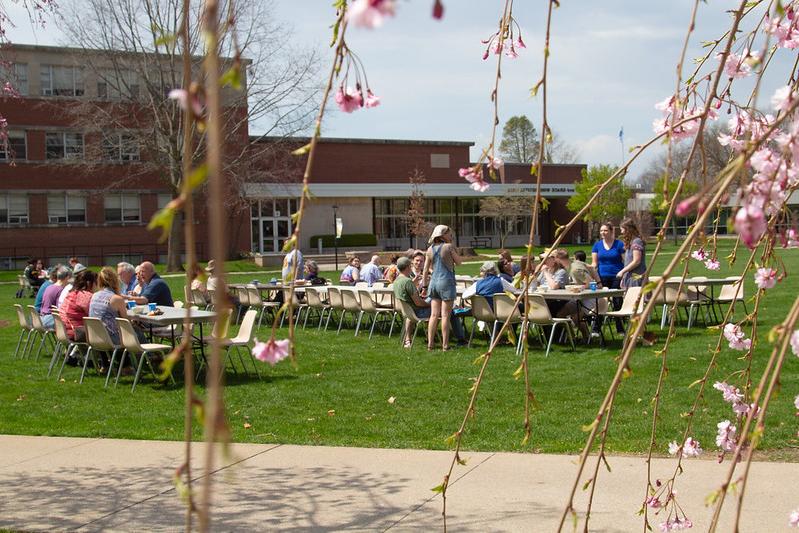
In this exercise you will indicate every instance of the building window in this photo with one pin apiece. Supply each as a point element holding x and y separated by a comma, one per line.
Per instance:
<point>118,85</point>
<point>122,208</point>
<point>64,145</point>
<point>66,208</point>
<point>17,75</point>
<point>61,81</point>
<point>121,147</point>
<point>13,209</point>
<point>15,148</point>
<point>163,200</point>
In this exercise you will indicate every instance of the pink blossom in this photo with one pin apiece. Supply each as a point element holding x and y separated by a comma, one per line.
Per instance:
<point>474,175</point>
<point>511,52</point>
<point>520,43</point>
<point>685,207</point>
<point>730,393</point>
<point>793,238</point>
<point>369,13</point>
<point>726,437</point>
<point>496,163</point>
<point>348,100</point>
<point>765,278</point>
<point>712,264</point>
<point>9,90</point>
<point>371,99</point>
<point>793,519</point>
<point>738,66</point>
<point>750,224</point>
<point>781,101</point>
<point>691,448</point>
<point>672,106</point>
<point>795,342</point>
<point>736,337</point>
<point>653,502</point>
<point>271,352</point>
<point>699,254</point>
<point>182,97</point>
<point>785,31</point>
<point>675,524</point>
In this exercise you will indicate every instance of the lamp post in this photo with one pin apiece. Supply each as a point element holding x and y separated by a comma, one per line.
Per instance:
<point>335,234</point>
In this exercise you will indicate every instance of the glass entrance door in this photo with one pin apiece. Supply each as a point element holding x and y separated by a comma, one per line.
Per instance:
<point>271,224</point>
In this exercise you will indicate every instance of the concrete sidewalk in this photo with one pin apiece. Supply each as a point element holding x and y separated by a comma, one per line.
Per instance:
<point>49,483</point>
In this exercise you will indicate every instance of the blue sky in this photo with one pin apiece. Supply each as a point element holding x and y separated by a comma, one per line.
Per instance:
<point>610,62</point>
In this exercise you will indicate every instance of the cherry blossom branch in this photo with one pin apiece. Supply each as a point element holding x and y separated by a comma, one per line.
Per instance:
<point>215,428</point>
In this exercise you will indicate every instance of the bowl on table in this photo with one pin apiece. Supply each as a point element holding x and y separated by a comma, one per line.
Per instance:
<point>574,288</point>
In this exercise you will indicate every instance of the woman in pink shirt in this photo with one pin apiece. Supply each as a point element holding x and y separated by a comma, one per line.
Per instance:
<point>76,304</point>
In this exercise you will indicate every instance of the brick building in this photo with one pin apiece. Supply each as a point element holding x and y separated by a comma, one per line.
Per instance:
<point>70,187</point>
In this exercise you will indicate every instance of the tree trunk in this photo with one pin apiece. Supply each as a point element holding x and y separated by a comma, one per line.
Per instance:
<point>174,245</point>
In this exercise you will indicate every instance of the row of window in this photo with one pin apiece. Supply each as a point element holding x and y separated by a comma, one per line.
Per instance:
<point>70,145</point>
<point>56,80</point>
<point>64,208</point>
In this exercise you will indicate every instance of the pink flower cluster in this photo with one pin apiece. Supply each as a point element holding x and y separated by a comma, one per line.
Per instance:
<point>349,100</point>
<point>733,395</point>
<point>675,524</point>
<point>785,29</point>
<point>795,343</point>
<point>672,107</point>
<point>774,165</point>
<point>793,518</point>
<point>740,66</point>
<point>474,175</point>
<point>727,436</point>
<point>370,13</point>
<point>691,448</point>
<point>271,352</point>
<point>790,238</point>
<point>736,337</point>
<point>765,278</point>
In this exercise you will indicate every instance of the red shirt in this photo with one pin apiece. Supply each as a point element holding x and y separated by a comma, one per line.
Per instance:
<point>74,308</point>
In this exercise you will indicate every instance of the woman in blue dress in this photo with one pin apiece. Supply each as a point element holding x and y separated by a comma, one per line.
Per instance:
<point>607,256</point>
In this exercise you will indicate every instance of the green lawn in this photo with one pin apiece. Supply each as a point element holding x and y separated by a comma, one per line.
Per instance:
<point>339,393</point>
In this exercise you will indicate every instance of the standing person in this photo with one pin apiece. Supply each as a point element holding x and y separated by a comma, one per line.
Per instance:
<point>440,261</point>
<point>370,272</point>
<point>607,256</point>
<point>294,257</point>
<point>632,275</point>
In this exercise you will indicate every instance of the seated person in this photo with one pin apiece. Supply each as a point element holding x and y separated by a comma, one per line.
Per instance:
<point>312,273</point>
<point>61,297</point>
<point>107,304</point>
<point>210,285</point>
<point>40,293</point>
<point>34,273</point>
<point>127,277</point>
<point>489,284</point>
<point>75,265</point>
<point>370,272</point>
<point>505,270</point>
<point>76,305</point>
<point>51,295</point>
<point>525,271</point>
<point>405,290</point>
<point>515,267</point>
<point>139,282</point>
<point>352,272</point>
<point>155,289</point>
<point>582,273</point>
<point>392,272</point>
<point>287,272</point>
<point>554,274</point>
<point>417,263</point>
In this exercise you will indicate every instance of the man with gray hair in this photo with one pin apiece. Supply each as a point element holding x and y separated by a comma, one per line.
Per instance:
<point>127,277</point>
<point>370,272</point>
<point>489,284</point>
<point>51,295</point>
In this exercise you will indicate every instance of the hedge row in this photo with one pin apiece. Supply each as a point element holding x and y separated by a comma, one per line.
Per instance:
<point>353,239</point>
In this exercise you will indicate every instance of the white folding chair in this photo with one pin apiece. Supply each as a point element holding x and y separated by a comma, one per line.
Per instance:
<point>134,349</point>
<point>99,340</point>
<point>26,329</point>
<point>369,307</point>
<point>538,315</point>
<point>313,298</point>
<point>410,317</point>
<point>350,304</point>
<point>482,312</point>
<point>242,340</point>
<point>63,343</point>
<point>44,334</point>
<point>505,308</point>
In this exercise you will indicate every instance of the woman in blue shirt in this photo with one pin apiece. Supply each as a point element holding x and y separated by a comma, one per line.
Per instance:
<point>607,256</point>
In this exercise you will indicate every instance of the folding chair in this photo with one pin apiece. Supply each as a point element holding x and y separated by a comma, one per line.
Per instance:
<point>132,347</point>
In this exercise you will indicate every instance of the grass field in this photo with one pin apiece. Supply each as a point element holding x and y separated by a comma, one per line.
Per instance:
<point>339,393</point>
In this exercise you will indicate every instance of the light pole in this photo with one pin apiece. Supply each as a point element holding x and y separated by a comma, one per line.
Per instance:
<point>335,234</point>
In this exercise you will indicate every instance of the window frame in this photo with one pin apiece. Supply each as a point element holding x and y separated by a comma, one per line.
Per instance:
<point>66,205</point>
<point>123,206</point>
<point>47,88</point>
<point>115,144</point>
<point>5,205</point>
<point>14,152</point>
<point>65,153</point>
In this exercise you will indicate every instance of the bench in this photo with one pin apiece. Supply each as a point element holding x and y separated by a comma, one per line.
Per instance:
<point>481,242</point>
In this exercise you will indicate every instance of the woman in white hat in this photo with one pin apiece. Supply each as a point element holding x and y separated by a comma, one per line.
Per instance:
<point>440,259</point>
